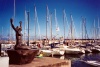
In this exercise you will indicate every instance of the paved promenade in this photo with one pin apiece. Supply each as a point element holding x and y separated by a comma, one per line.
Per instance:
<point>46,62</point>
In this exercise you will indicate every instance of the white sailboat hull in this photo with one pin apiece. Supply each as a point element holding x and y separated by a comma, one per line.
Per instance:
<point>57,51</point>
<point>46,53</point>
<point>72,50</point>
<point>54,51</point>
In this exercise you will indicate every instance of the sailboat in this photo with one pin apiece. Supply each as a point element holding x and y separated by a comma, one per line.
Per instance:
<point>36,24</point>
<point>92,62</point>
<point>57,30</point>
<point>48,50</point>
<point>84,34</point>
<point>96,48</point>
<point>71,49</point>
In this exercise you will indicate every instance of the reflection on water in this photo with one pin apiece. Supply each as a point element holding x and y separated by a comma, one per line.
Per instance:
<point>76,59</point>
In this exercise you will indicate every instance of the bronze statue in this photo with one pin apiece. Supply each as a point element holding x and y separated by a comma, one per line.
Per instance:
<point>21,54</point>
<point>18,30</point>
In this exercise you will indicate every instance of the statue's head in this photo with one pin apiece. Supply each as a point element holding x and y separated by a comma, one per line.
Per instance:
<point>18,28</point>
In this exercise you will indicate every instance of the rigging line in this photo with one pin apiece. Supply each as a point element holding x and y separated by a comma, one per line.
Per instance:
<point>80,30</point>
<point>57,27</point>
<point>47,21</point>
<point>94,31</point>
<point>55,18</point>
<point>51,25</point>
<point>86,30</point>
<point>66,21</point>
<point>98,29</point>
<point>25,25</point>
<point>13,20</point>
<point>74,31</point>
<point>35,21</point>
<point>72,27</point>
<point>38,25</point>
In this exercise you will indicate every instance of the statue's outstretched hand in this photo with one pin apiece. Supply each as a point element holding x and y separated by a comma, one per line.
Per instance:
<point>20,22</point>
<point>11,20</point>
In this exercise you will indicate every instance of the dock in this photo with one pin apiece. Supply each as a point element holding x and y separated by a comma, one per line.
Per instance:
<point>46,62</point>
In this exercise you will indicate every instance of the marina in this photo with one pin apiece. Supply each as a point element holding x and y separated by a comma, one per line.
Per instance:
<point>40,33</point>
<point>80,60</point>
<point>76,59</point>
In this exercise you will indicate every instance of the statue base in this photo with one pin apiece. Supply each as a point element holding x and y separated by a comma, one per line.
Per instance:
<point>21,56</point>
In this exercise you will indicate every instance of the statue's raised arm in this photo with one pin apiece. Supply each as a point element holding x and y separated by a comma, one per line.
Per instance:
<point>11,21</point>
<point>20,24</point>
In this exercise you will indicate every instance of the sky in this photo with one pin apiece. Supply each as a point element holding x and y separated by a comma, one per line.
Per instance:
<point>89,9</point>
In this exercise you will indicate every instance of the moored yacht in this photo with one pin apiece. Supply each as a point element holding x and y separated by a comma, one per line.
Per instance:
<point>92,62</point>
<point>72,50</point>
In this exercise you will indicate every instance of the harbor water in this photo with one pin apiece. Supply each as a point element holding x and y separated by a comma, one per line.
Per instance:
<point>76,59</point>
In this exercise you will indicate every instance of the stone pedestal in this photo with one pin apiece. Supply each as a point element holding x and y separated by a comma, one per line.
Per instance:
<point>21,56</point>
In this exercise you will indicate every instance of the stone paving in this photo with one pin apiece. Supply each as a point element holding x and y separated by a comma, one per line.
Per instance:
<point>46,62</point>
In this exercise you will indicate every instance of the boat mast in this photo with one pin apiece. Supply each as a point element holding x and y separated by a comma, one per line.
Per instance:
<point>85,28</point>
<point>35,21</point>
<point>14,19</point>
<point>98,29</point>
<point>64,22</point>
<point>38,24</point>
<point>28,28</point>
<point>71,27</point>
<point>86,34</point>
<point>47,20</point>
<point>51,25</point>
<point>57,27</point>
<point>82,28</point>
<point>94,31</point>
<point>25,26</point>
